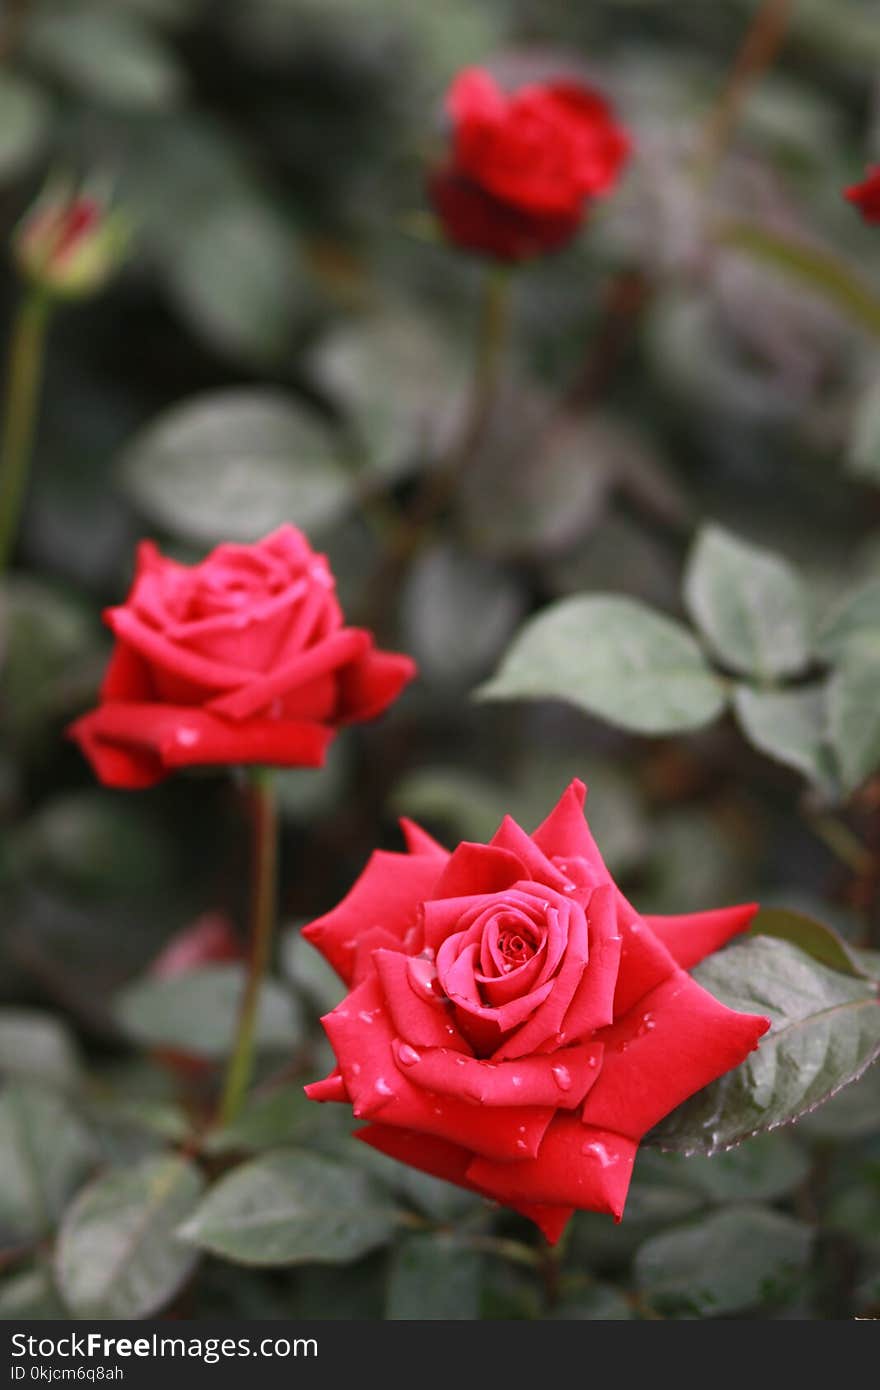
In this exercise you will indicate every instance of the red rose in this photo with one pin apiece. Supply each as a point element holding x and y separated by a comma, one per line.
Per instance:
<point>513,1025</point>
<point>866,195</point>
<point>243,658</point>
<point>523,165</point>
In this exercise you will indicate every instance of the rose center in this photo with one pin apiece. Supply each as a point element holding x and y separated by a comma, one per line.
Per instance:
<point>514,948</point>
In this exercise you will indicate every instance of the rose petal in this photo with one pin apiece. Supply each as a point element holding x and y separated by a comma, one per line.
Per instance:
<point>676,1040</point>
<point>565,833</point>
<point>387,894</point>
<point>577,1165</point>
<point>511,837</point>
<point>362,1036</point>
<point>189,737</point>
<point>418,841</point>
<point>332,1088</point>
<point>561,1080</point>
<point>165,656</point>
<point>127,676</point>
<point>546,1021</point>
<point>369,683</point>
<point>450,1163</point>
<point>473,870</point>
<point>421,1019</point>
<point>690,937</point>
<point>644,960</point>
<point>115,764</point>
<point>299,670</point>
<point>592,1005</point>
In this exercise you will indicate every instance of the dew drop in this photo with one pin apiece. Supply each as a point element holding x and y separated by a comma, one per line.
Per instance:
<point>187,738</point>
<point>382,1088</point>
<point>408,1055</point>
<point>592,1061</point>
<point>355,1068</point>
<point>423,978</point>
<point>562,1077</point>
<point>365,1016</point>
<point>516,1081</point>
<point>598,1150</point>
<point>522,1145</point>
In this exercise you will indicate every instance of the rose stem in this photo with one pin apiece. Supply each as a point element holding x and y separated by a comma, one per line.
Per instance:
<point>264,873</point>
<point>407,535</point>
<point>756,54</point>
<point>26,356</point>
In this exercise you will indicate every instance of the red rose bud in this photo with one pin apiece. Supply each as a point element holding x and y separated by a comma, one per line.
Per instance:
<point>513,1025</point>
<point>866,195</point>
<point>69,245</point>
<point>243,658</point>
<point>523,166</point>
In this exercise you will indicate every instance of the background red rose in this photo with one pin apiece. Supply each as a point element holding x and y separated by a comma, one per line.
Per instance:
<point>866,195</point>
<point>243,658</point>
<point>522,165</point>
<point>513,1025</point>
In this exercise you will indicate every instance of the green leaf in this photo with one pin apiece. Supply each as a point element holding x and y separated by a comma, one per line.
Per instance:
<point>30,1296</point>
<point>855,622</point>
<point>825,1030</point>
<point>748,603</point>
<point>762,1170</point>
<point>434,1278</point>
<point>854,714</point>
<point>24,123</point>
<point>283,1116</point>
<point>234,272</point>
<point>445,586</point>
<point>813,937</point>
<point>614,658</point>
<point>110,58</point>
<point>289,1208</point>
<point>47,652</point>
<point>45,1153</point>
<point>816,269</point>
<point>863,458</point>
<point>118,1253</point>
<point>734,1259</point>
<point>788,725</point>
<point>95,847</point>
<point>402,427</point>
<point>196,1012</point>
<point>233,465</point>
<point>852,1114</point>
<point>36,1046</point>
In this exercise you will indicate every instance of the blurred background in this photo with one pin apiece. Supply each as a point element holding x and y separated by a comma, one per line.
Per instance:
<point>289,339</point>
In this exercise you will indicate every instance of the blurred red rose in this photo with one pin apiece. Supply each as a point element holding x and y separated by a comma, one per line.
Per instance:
<point>522,165</point>
<point>866,195</point>
<point>243,658</point>
<point>513,1025</point>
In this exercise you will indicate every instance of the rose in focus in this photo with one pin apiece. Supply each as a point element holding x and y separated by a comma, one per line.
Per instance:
<point>513,1025</point>
<point>866,195</point>
<point>522,166</point>
<point>242,658</point>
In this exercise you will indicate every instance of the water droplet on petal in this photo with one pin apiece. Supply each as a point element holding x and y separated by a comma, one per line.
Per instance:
<point>522,1145</point>
<point>355,1068</point>
<point>422,976</point>
<point>382,1088</point>
<point>187,738</point>
<point>516,1081</point>
<point>562,1077</point>
<point>597,1150</point>
<point>592,1061</point>
<point>408,1055</point>
<point>365,1016</point>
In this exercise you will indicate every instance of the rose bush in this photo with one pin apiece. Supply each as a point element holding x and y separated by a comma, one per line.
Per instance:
<point>522,165</point>
<point>513,1025</point>
<point>242,658</point>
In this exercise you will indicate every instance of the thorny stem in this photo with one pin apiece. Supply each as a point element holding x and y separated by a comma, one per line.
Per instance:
<point>26,357</point>
<point>264,870</point>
